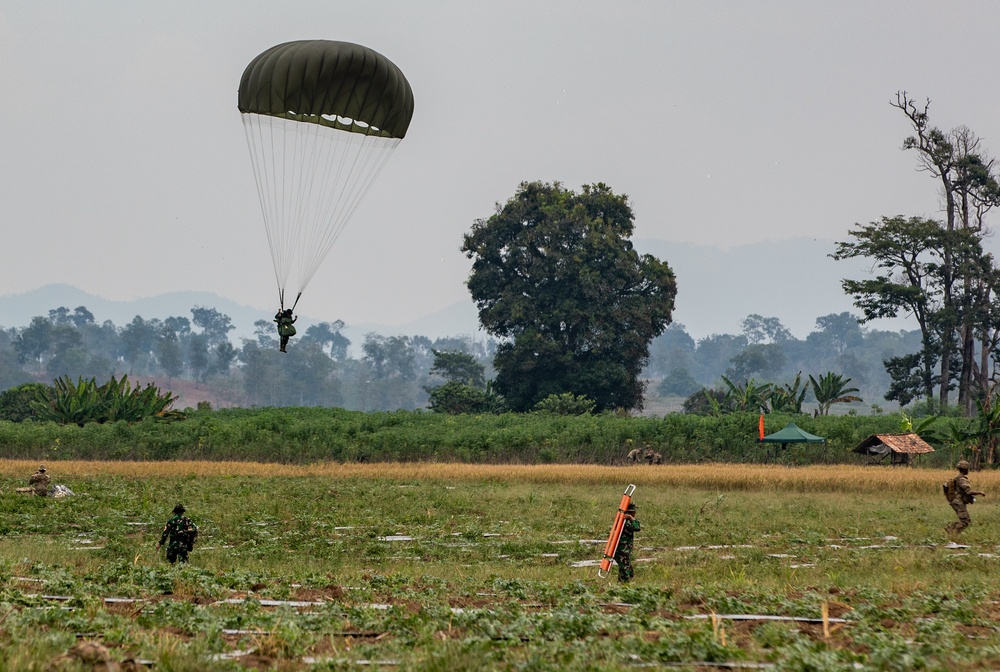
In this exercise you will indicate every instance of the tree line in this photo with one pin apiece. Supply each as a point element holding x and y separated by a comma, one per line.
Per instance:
<point>318,370</point>
<point>402,372</point>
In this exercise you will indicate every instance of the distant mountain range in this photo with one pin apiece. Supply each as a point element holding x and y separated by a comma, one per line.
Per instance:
<point>793,280</point>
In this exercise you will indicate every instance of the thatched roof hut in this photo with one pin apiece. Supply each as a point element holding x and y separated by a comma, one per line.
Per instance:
<point>899,448</point>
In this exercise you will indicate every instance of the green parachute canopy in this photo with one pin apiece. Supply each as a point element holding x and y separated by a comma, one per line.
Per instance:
<point>321,119</point>
<point>337,84</point>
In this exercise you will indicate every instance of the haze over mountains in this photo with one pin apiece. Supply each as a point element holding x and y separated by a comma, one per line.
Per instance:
<point>793,280</point>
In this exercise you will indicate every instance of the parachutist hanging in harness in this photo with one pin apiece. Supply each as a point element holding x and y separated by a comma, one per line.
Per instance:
<point>286,328</point>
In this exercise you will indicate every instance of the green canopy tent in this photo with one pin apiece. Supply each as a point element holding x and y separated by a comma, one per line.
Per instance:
<point>792,433</point>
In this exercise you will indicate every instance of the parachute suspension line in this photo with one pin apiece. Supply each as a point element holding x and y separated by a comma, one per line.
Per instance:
<point>274,156</point>
<point>264,149</point>
<point>361,159</point>
<point>289,162</point>
<point>319,188</point>
<point>255,145</point>
<point>297,297</point>
<point>310,180</point>
<point>338,152</point>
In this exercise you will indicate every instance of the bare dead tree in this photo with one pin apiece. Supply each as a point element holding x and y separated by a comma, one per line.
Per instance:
<point>969,190</point>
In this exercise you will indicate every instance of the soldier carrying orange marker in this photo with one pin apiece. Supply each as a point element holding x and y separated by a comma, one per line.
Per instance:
<point>620,540</point>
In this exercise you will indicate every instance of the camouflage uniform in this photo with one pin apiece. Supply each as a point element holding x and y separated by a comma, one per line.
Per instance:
<point>633,455</point>
<point>623,554</point>
<point>40,482</point>
<point>179,534</point>
<point>963,497</point>
<point>286,329</point>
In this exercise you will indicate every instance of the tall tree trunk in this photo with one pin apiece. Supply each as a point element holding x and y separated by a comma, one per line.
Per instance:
<point>948,298</point>
<point>965,380</point>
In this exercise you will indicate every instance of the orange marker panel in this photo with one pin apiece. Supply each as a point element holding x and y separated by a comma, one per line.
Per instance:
<point>616,532</point>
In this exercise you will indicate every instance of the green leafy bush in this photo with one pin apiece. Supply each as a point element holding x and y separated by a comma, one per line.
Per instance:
<point>566,404</point>
<point>15,403</point>
<point>85,401</point>
<point>455,398</point>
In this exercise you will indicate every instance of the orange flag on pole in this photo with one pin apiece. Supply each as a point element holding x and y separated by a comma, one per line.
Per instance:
<point>761,426</point>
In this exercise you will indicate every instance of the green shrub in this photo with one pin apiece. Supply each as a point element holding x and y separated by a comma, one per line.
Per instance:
<point>15,403</point>
<point>566,404</point>
<point>455,398</point>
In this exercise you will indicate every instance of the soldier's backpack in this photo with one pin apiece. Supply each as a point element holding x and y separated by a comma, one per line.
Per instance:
<point>949,490</point>
<point>189,534</point>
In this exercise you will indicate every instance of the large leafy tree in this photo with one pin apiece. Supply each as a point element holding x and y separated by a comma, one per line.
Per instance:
<point>915,260</point>
<point>459,367</point>
<point>909,268</point>
<point>757,359</point>
<point>34,341</point>
<point>328,335</point>
<point>215,325</point>
<point>760,329</point>
<point>671,351</point>
<point>556,277</point>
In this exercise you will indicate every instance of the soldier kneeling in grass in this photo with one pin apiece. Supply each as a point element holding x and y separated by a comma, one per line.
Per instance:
<point>38,483</point>
<point>178,534</point>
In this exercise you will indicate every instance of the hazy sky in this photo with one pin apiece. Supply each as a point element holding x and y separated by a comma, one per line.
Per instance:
<point>125,169</point>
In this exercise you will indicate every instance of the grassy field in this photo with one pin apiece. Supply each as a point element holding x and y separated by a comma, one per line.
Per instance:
<point>449,566</point>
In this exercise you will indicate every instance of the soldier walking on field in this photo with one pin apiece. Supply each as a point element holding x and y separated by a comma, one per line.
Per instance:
<point>623,554</point>
<point>960,494</point>
<point>178,534</point>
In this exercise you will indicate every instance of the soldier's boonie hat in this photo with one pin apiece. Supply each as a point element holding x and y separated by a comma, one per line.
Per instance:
<point>41,467</point>
<point>962,464</point>
<point>179,508</point>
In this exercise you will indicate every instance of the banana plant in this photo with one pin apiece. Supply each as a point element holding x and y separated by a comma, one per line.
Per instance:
<point>984,432</point>
<point>748,396</point>
<point>832,389</point>
<point>78,403</point>
<point>788,398</point>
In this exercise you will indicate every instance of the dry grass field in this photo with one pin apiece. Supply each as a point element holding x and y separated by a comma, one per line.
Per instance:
<point>715,477</point>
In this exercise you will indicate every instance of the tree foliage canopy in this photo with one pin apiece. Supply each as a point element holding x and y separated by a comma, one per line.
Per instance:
<point>555,274</point>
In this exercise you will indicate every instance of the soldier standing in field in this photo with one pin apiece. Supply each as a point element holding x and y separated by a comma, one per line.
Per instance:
<point>39,481</point>
<point>179,534</point>
<point>960,494</point>
<point>623,554</point>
